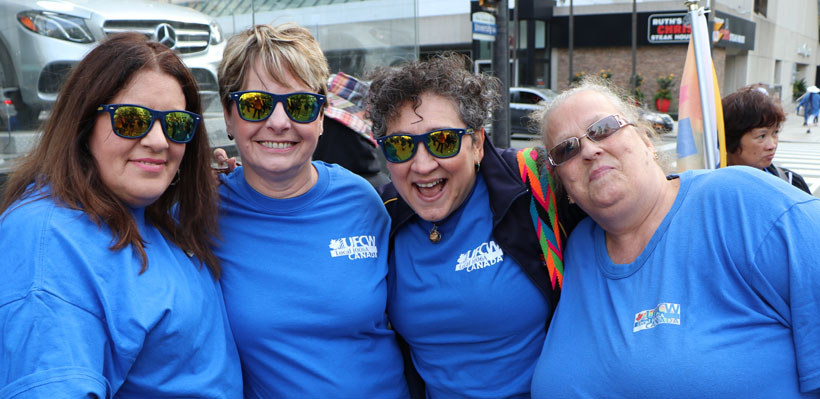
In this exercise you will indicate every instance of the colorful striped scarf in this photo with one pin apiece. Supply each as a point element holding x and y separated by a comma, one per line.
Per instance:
<point>543,209</point>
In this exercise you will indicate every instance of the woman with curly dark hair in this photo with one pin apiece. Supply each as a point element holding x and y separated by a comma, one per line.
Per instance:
<point>469,290</point>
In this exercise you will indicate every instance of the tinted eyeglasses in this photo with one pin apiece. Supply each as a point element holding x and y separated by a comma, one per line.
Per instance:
<point>597,131</point>
<point>441,143</point>
<point>135,121</point>
<point>256,106</point>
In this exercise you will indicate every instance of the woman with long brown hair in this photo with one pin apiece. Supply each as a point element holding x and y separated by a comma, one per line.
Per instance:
<point>110,285</point>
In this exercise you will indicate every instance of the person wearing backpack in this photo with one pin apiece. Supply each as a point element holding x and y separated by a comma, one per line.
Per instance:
<point>752,122</point>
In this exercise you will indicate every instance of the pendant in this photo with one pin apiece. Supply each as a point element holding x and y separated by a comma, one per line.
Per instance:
<point>435,235</point>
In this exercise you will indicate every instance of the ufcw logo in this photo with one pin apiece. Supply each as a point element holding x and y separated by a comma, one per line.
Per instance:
<point>486,254</point>
<point>357,247</point>
<point>664,313</point>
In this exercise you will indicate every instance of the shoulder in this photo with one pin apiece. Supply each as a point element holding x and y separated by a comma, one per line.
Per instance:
<point>49,246</point>
<point>737,181</point>
<point>341,175</point>
<point>741,194</point>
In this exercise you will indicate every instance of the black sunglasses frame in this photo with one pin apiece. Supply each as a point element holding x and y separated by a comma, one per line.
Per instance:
<point>592,133</point>
<point>276,99</point>
<point>424,138</point>
<point>111,109</point>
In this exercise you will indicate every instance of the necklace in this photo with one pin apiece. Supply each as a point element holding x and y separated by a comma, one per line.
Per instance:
<point>435,235</point>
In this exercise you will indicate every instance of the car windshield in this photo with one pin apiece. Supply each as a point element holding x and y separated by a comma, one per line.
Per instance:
<point>532,95</point>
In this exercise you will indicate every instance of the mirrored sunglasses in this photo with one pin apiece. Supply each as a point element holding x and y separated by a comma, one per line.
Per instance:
<point>597,131</point>
<point>135,121</point>
<point>441,143</point>
<point>256,106</point>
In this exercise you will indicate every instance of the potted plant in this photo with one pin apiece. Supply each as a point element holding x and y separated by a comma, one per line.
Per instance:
<point>663,97</point>
<point>577,78</point>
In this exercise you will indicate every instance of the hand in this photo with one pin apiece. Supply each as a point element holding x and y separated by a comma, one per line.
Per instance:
<point>221,162</point>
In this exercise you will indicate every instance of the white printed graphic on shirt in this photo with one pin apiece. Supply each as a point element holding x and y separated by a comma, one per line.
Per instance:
<point>356,247</point>
<point>486,254</point>
<point>664,313</point>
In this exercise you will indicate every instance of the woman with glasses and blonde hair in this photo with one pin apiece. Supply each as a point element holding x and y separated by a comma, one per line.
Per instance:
<point>109,280</point>
<point>305,243</point>
<point>469,289</point>
<point>702,284</point>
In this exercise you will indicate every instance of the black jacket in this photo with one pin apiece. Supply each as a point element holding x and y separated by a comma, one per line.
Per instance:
<point>513,229</point>
<point>792,178</point>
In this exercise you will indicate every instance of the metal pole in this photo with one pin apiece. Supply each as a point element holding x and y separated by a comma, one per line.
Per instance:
<point>516,33</point>
<point>634,46</point>
<point>704,68</point>
<point>501,69</point>
<point>571,38</point>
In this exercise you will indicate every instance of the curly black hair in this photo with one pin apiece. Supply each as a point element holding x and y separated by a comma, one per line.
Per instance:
<point>475,95</point>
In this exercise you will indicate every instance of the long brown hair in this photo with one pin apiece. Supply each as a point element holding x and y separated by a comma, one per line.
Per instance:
<point>63,162</point>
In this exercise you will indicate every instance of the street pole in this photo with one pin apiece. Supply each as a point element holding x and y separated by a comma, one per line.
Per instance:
<point>501,69</point>
<point>516,32</point>
<point>571,39</point>
<point>634,46</point>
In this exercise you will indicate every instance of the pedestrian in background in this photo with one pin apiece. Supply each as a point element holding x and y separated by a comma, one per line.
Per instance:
<point>752,121</point>
<point>305,243</point>
<point>810,102</point>
<point>108,287</point>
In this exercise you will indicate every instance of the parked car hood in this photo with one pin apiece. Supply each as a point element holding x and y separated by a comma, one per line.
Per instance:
<point>107,9</point>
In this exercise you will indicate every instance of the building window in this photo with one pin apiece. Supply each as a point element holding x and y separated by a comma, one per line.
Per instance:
<point>761,6</point>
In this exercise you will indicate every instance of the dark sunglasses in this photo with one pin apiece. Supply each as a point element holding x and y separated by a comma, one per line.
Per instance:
<point>597,131</point>
<point>441,143</point>
<point>256,106</point>
<point>135,121</point>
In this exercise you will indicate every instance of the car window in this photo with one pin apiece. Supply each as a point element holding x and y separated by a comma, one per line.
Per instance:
<point>529,98</point>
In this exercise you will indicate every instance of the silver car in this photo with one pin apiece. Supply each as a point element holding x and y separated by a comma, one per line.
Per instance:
<point>40,41</point>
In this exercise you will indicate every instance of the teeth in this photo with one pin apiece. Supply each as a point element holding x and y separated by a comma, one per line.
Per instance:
<point>275,144</point>
<point>428,185</point>
<point>150,163</point>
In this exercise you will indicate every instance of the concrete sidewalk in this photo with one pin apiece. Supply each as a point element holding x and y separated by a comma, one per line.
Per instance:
<point>793,130</point>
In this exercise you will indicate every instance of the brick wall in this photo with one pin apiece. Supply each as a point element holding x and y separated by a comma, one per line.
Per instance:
<point>652,61</point>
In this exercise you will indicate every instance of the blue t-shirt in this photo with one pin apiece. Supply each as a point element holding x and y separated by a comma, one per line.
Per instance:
<point>721,303</point>
<point>304,285</point>
<point>474,321</point>
<point>78,319</point>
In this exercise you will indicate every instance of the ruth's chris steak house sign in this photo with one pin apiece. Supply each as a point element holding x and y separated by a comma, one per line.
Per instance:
<point>668,28</point>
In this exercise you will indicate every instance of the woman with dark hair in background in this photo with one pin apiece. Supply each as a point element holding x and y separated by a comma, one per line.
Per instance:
<point>752,122</point>
<point>109,287</point>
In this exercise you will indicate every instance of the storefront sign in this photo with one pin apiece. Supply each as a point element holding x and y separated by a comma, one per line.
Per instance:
<point>668,28</point>
<point>733,32</point>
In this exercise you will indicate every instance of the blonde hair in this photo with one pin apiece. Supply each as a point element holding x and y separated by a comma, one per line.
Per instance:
<point>286,47</point>
<point>625,106</point>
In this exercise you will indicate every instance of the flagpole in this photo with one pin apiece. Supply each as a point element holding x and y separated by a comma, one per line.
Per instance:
<point>709,135</point>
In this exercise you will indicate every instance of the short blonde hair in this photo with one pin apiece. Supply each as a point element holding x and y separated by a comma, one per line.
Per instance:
<point>625,106</point>
<point>286,47</point>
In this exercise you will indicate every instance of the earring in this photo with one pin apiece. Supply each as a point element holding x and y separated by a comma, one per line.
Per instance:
<point>175,180</point>
<point>569,198</point>
<point>229,136</point>
<point>477,166</point>
<point>655,155</point>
